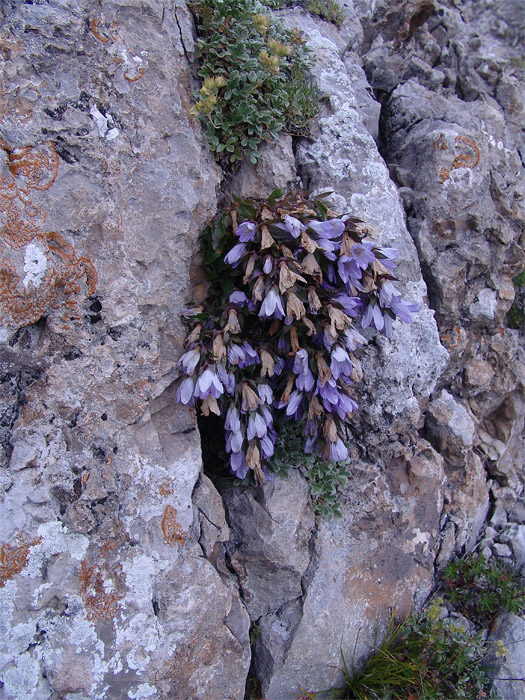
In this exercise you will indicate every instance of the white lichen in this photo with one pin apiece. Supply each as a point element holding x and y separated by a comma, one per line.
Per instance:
<point>35,265</point>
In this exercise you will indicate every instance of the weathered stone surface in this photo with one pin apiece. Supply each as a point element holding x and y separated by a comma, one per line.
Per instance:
<point>511,630</point>
<point>271,527</point>
<point>105,174</point>
<point>275,169</point>
<point>120,575</point>
<point>377,556</point>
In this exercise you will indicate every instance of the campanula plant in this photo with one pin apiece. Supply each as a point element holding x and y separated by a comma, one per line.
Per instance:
<point>255,78</point>
<point>292,285</point>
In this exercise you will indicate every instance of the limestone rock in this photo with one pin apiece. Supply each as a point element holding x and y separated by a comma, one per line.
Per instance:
<point>106,182</point>
<point>510,629</point>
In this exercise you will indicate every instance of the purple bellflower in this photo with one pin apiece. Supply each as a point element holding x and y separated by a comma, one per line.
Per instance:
<point>362,254</point>
<point>292,226</point>
<point>305,379</point>
<point>232,258</point>
<point>328,229</point>
<point>246,231</point>
<point>272,305</point>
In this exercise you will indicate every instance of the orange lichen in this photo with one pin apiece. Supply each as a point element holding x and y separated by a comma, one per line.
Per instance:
<point>171,529</point>
<point>136,77</point>
<point>119,57</point>
<point>96,33</point>
<point>13,559</point>
<point>462,160</point>
<point>165,488</point>
<point>451,340</point>
<point>20,304</point>
<point>100,602</point>
<point>440,144</point>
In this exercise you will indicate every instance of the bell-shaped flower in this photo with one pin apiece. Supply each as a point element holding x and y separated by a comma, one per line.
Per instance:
<point>340,363</point>
<point>305,379</point>
<point>234,441</point>
<point>238,298</point>
<point>184,393</point>
<point>265,393</point>
<point>235,254</point>
<point>246,231</point>
<point>345,406</point>
<point>227,379</point>
<point>293,405</point>
<point>267,445</point>
<point>232,421</point>
<point>338,451</point>
<point>349,304</point>
<point>328,393</point>
<point>328,229</point>
<point>256,426</point>
<point>348,270</point>
<point>373,316</point>
<point>362,254</point>
<point>236,355</point>
<point>251,356</point>
<point>387,257</point>
<point>238,464</point>
<point>403,310</point>
<point>292,226</point>
<point>329,247</point>
<point>189,361</point>
<point>353,339</point>
<point>272,305</point>
<point>387,292</point>
<point>208,383</point>
<point>268,264</point>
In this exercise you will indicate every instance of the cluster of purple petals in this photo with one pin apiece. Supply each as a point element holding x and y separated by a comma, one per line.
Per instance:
<point>306,379</point>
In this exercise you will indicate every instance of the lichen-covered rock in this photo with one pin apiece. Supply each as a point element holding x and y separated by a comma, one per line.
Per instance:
<point>105,184</point>
<point>508,670</point>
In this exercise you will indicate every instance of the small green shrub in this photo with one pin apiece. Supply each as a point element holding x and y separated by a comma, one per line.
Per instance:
<point>423,658</point>
<point>255,76</point>
<point>481,589</point>
<point>328,10</point>
<point>516,314</point>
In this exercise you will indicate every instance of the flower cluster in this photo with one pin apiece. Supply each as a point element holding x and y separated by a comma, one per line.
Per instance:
<point>277,335</point>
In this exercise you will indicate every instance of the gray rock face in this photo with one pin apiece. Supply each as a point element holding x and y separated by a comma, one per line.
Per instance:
<point>508,671</point>
<point>104,174</point>
<point>124,573</point>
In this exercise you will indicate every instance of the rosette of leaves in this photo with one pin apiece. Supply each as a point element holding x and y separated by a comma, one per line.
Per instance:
<point>255,78</point>
<point>275,339</point>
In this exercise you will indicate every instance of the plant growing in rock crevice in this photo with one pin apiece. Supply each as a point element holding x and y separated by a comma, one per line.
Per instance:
<point>275,339</point>
<point>255,78</point>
